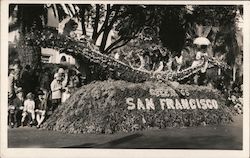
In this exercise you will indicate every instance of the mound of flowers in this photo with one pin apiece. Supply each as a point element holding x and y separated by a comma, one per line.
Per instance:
<point>112,106</point>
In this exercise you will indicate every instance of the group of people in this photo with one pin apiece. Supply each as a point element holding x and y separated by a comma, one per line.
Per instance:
<point>30,107</point>
<point>23,106</point>
<point>65,82</point>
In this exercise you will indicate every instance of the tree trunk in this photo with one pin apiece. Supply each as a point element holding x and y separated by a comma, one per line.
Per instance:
<point>104,39</point>
<point>83,26</point>
<point>82,13</point>
<point>96,22</point>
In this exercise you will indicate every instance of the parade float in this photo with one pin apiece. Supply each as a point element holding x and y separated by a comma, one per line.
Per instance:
<point>137,99</point>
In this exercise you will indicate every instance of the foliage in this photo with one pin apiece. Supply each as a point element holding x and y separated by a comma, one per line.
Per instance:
<point>175,27</point>
<point>173,22</point>
<point>35,16</point>
<point>126,20</point>
<point>172,28</point>
<point>215,15</point>
<point>27,16</point>
<point>13,54</point>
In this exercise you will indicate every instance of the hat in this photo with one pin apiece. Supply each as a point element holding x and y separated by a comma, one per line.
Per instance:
<point>29,95</point>
<point>11,67</point>
<point>56,75</point>
<point>40,92</point>
<point>61,70</point>
<point>19,90</point>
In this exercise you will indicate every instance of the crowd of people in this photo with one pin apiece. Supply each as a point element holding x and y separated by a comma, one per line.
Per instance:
<point>30,107</point>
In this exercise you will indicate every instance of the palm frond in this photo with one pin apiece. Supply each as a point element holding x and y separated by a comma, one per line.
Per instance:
<point>72,9</point>
<point>55,11</point>
<point>61,12</point>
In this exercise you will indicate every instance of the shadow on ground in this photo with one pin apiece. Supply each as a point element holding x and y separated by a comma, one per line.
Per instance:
<point>112,143</point>
<point>134,142</point>
<point>227,137</point>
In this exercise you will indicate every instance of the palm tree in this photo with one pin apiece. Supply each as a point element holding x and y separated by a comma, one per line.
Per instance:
<point>29,17</point>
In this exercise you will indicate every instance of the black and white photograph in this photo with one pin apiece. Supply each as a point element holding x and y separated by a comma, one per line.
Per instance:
<point>130,78</point>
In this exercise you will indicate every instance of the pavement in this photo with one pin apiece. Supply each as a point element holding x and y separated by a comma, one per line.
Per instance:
<point>226,137</point>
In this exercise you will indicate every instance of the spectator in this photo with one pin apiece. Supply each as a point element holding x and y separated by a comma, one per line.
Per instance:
<point>11,84</point>
<point>61,73</point>
<point>70,83</point>
<point>64,76</point>
<point>41,107</point>
<point>236,103</point>
<point>17,71</point>
<point>11,113</point>
<point>45,79</point>
<point>74,81</point>
<point>26,80</point>
<point>18,107</point>
<point>29,109</point>
<point>56,89</point>
<point>34,85</point>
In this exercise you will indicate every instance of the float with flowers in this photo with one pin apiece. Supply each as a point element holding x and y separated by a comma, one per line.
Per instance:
<point>120,106</point>
<point>138,99</point>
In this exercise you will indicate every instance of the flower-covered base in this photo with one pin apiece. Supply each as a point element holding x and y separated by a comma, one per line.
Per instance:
<point>112,106</point>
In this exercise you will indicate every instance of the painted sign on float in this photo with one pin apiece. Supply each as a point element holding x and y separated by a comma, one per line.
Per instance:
<point>164,102</point>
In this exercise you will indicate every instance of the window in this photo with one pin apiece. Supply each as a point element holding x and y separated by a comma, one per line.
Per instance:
<point>45,58</point>
<point>63,59</point>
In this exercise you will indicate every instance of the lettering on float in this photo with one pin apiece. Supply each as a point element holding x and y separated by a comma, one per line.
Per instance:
<point>170,103</point>
<point>167,103</point>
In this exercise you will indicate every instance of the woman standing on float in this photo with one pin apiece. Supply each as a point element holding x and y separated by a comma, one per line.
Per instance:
<point>200,57</point>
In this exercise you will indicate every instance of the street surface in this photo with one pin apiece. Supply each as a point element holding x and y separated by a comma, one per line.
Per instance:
<point>228,137</point>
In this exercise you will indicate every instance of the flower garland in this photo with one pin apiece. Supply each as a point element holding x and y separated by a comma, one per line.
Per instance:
<point>50,39</point>
<point>59,42</point>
